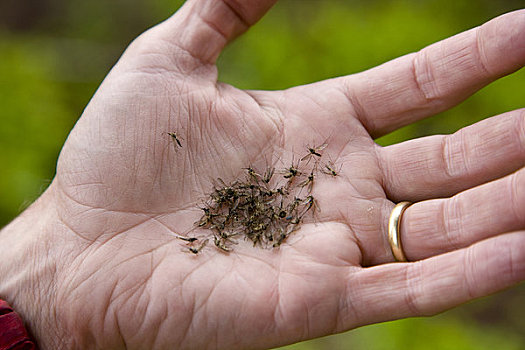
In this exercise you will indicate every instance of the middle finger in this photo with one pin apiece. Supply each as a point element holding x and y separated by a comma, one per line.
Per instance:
<point>440,166</point>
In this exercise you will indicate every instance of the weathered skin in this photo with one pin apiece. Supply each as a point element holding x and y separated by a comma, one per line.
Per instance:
<point>95,264</point>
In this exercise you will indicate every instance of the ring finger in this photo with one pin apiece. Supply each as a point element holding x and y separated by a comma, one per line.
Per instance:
<point>437,226</point>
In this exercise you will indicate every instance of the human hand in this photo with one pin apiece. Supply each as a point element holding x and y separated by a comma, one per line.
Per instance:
<point>107,271</point>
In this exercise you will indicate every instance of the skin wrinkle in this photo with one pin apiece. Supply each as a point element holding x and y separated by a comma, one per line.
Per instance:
<point>192,272</point>
<point>511,259</point>
<point>205,305</point>
<point>157,219</point>
<point>307,329</point>
<point>119,331</point>
<point>479,48</point>
<point>422,77</point>
<point>342,307</point>
<point>162,89</point>
<point>117,234</point>
<point>280,313</point>
<point>359,291</point>
<point>276,293</point>
<point>197,63</point>
<point>412,279</point>
<point>213,124</point>
<point>115,317</point>
<point>357,109</point>
<point>457,146</point>
<point>464,165</point>
<point>378,157</point>
<point>70,288</point>
<point>93,274</point>
<point>446,156</point>
<point>148,252</point>
<point>214,28</point>
<point>189,324</point>
<point>155,72</point>
<point>241,307</point>
<point>139,291</point>
<point>388,168</point>
<point>349,310</point>
<point>157,328</point>
<point>470,282</point>
<point>73,199</point>
<point>223,126</point>
<point>269,110</point>
<point>362,257</point>
<point>513,270</point>
<point>151,141</point>
<point>267,147</point>
<point>241,129</point>
<point>450,216</point>
<point>235,8</point>
<point>514,194</point>
<point>78,234</point>
<point>177,52</point>
<point>520,131</point>
<point>253,257</point>
<point>352,235</point>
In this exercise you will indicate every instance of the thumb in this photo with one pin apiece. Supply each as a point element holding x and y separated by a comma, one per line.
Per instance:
<point>202,28</point>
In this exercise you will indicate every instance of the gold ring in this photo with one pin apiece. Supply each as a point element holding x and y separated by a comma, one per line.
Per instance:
<point>394,234</point>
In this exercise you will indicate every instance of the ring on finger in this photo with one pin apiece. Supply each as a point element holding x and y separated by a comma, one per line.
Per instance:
<point>394,231</point>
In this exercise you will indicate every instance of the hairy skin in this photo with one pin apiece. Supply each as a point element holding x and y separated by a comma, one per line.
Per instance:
<point>95,263</point>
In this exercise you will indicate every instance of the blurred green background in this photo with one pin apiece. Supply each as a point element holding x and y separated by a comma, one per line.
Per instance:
<point>54,54</point>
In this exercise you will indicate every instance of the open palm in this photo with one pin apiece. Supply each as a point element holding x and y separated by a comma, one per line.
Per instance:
<point>124,190</point>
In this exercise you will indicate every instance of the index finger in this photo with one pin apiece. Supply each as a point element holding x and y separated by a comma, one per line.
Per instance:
<point>438,77</point>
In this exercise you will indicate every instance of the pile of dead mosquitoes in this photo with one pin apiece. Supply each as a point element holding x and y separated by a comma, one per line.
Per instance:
<point>258,209</point>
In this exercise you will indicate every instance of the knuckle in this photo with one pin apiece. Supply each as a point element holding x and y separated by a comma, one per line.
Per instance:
<point>451,224</point>
<point>455,162</point>
<point>517,196</point>
<point>413,289</point>
<point>425,78</point>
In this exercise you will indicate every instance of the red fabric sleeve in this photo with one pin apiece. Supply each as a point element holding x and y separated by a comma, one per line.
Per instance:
<point>13,335</point>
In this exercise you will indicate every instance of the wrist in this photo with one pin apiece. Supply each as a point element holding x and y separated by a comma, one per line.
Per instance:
<point>28,268</point>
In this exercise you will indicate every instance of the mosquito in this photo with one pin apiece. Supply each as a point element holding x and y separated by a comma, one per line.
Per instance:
<point>187,239</point>
<point>291,208</point>
<point>291,172</point>
<point>268,175</point>
<point>252,174</point>
<point>314,151</point>
<point>280,238</point>
<point>207,218</point>
<point>176,138</point>
<point>199,248</point>
<point>219,243</point>
<point>309,203</point>
<point>309,181</point>
<point>329,169</point>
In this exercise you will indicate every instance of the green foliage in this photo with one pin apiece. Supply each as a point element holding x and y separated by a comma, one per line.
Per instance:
<point>34,123</point>
<point>444,332</point>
